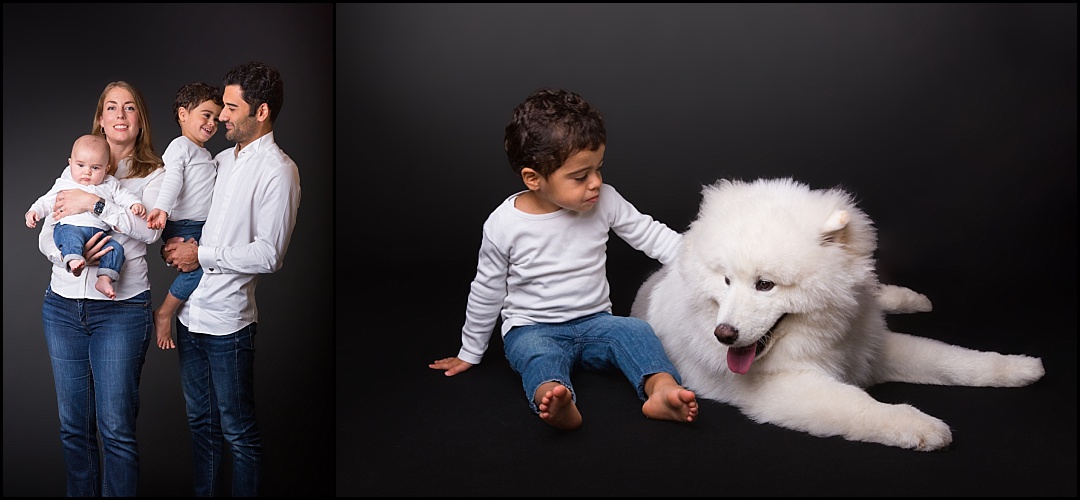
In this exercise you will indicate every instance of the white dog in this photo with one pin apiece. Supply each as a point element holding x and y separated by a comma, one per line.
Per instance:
<point>774,306</point>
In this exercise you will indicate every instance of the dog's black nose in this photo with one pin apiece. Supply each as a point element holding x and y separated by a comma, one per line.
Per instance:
<point>726,334</point>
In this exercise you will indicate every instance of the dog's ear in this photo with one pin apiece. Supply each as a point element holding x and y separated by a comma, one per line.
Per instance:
<point>836,231</point>
<point>837,221</point>
<point>849,228</point>
<point>833,233</point>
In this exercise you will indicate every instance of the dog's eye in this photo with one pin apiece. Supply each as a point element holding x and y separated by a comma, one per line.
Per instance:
<point>764,285</point>
<point>727,281</point>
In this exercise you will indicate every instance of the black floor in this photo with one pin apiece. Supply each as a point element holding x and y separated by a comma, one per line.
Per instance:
<point>407,430</point>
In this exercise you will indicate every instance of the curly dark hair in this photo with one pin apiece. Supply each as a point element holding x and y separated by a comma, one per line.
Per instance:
<point>191,95</point>
<point>550,126</point>
<point>259,83</point>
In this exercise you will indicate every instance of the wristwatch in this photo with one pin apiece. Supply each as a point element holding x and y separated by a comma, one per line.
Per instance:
<point>99,207</point>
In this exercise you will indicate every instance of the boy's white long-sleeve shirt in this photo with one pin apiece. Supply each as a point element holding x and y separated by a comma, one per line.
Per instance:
<point>551,268</point>
<point>190,173</point>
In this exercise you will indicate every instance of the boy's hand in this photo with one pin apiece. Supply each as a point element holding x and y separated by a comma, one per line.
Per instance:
<point>31,219</point>
<point>156,219</point>
<point>138,209</point>
<point>453,366</point>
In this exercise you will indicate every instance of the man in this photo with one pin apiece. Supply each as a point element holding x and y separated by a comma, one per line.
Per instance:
<point>247,232</point>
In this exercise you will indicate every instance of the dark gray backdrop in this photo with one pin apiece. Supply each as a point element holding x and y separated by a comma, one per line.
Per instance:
<point>954,126</point>
<point>57,59</point>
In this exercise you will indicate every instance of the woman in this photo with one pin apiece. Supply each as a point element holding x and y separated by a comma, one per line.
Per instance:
<point>98,345</point>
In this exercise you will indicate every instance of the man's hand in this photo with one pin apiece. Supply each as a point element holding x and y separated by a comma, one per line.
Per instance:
<point>181,254</point>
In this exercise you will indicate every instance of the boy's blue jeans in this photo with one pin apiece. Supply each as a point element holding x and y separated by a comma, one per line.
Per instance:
<point>185,283</point>
<point>71,240</point>
<point>97,349</point>
<point>548,352</point>
<point>218,378</point>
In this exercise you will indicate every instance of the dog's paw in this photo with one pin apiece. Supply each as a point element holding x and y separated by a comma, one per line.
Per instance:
<point>1020,370</point>
<point>910,428</point>
<point>895,299</point>
<point>933,434</point>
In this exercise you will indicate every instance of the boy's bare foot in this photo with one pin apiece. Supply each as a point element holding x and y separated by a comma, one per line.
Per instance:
<point>76,267</point>
<point>104,285</point>
<point>670,401</point>
<point>557,408</point>
<point>163,327</point>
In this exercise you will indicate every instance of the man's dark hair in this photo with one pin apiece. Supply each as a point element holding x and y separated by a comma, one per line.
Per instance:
<point>260,83</point>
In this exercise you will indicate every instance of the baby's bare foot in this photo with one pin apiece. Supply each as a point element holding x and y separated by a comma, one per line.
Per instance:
<point>104,285</point>
<point>557,408</point>
<point>76,267</point>
<point>671,402</point>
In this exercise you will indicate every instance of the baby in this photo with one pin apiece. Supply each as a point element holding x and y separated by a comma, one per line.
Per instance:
<point>87,170</point>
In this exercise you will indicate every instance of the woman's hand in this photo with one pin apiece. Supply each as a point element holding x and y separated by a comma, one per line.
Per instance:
<point>95,248</point>
<point>73,201</point>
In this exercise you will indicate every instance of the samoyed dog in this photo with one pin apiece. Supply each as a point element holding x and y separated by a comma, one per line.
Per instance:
<point>774,306</point>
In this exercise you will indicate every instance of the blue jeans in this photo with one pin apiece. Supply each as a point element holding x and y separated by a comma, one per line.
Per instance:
<point>185,283</point>
<point>548,352</point>
<point>97,348</point>
<point>217,373</point>
<point>71,240</point>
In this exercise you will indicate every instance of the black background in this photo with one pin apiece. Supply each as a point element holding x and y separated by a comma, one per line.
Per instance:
<point>954,126</point>
<point>57,59</point>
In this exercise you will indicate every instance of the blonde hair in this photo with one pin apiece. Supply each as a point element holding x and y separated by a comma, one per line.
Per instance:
<point>143,160</point>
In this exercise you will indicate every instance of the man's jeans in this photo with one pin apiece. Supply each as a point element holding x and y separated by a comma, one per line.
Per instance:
<point>218,377</point>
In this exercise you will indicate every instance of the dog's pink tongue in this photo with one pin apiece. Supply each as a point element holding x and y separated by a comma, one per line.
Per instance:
<point>739,359</point>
